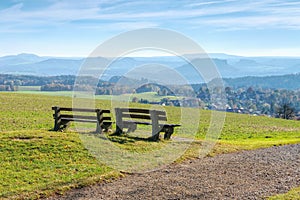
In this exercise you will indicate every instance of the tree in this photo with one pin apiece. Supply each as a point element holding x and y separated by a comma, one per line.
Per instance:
<point>286,111</point>
<point>135,100</point>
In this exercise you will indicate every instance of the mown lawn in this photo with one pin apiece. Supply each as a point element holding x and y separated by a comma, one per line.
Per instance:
<point>36,161</point>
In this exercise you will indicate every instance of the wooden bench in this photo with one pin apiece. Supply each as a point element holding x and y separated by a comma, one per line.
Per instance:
<point>130,117</point>
<point>63,117</point>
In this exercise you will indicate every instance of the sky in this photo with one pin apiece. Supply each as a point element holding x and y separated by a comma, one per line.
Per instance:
<point>75,27</point>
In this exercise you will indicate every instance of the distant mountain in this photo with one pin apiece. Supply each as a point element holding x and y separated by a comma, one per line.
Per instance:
<point>224,56</point>
<point>20,59</point>
<point>158,68</point>
<point>289,81</point>
<point>30,64</point>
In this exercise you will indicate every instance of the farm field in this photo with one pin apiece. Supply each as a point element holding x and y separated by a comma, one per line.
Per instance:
<point>32,155</point>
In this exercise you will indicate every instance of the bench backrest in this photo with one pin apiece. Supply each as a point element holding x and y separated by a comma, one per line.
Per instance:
<point>140,114</point>
<point>84,118</point>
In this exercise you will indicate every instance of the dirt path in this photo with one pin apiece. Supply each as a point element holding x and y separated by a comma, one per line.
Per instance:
<point>244,175</point>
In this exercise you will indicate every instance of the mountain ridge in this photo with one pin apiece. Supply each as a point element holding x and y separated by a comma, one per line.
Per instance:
<point>229,66</point>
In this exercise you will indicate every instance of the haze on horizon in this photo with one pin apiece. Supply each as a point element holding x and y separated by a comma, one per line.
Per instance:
<point>76,28</point>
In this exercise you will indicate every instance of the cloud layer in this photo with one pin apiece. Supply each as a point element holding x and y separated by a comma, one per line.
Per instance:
<point>229,14</point>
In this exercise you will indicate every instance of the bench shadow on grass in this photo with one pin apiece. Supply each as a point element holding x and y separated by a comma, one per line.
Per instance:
<point>129,138</point>
<point>124,138</point>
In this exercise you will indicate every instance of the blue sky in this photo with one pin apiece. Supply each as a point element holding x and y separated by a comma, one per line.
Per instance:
<point>75,28</point>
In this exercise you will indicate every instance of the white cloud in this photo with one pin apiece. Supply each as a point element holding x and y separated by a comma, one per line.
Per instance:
<point>226,14</point>
<point>250,22</point>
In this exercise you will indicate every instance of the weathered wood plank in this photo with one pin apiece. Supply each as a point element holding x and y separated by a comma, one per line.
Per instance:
<point>65,116</point>
<point>137,122</point>
<point>135,116</point>
<point>80,109</point>
<point>135,110</point>
<point>79,120</point>
<point>139,116</point>
<point>141,110</point>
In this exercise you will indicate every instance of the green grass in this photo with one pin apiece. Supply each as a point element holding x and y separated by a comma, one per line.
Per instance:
<point>150,96</point>
<point>32,156</point>
<point>36,163</point>
<point>293,194</point>
<point>52,93</point>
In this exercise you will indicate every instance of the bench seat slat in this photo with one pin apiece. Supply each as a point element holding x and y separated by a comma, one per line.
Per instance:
<point>136,122</point>
<point>149,123</point>
<point>65,117</point>
<point>103,119</point>
<point>78,117</point>
<point>171,125</point>
<point>79,120</point>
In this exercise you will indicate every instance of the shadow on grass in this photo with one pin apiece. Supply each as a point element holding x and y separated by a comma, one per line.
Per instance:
<point>125,138</point>
<point>121,139</point>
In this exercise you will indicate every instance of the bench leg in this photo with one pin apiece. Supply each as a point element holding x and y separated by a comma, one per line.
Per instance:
<point>168,132</point>
<point>65,125</point>
<point>56,126</point>
<point>118,131</point>
<point>131,128</point>
<point>99,128</point>
<point>154,137</point>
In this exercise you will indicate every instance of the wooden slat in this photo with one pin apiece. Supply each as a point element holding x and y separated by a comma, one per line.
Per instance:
<point>162,118</point>
<point>141,110</point>
<point>78,117</point>
<point>79,120</point>
<point>136,116</point>
<point>136,122</point>
<point>135,110</point>
<point>81,109</point>
<point>148,117</point>
<point>172,125</point>
<point>105,111</point>
<point>65,117</point>
<point>160,112</point>
<point>105,119</point>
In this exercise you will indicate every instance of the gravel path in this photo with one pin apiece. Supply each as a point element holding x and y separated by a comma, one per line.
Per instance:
<point>244,175</point>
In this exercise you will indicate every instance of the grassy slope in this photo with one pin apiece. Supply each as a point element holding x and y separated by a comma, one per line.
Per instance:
<point>31,156</point>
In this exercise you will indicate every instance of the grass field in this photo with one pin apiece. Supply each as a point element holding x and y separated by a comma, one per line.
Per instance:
<point>32,156</point>
<point>150,96</point>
